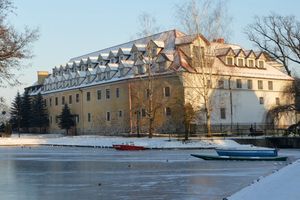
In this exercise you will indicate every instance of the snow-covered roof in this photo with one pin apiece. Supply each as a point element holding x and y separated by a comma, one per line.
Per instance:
<point>124,51</point>
<point>126,63</point>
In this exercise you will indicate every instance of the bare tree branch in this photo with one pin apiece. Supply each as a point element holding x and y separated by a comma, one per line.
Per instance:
<point>277,35</point>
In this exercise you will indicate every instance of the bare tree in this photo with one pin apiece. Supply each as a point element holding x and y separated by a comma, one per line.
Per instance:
<point>207,17</point>
<point>277,35</point>
<point>147,25</point>
<point>211,20</point>
<point>14,45</point>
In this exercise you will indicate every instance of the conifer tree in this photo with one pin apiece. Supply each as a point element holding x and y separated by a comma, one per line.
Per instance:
<point>39,113</point>
<point>26,111</point>
<point>15,112</point>
<point>66,119</point>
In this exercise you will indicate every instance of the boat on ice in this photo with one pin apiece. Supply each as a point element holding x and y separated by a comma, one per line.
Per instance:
<point>128,147</point>
<point>239,158</point>
<point>247,152</point>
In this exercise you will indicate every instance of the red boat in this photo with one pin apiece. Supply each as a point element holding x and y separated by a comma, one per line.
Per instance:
<point>128,147</point>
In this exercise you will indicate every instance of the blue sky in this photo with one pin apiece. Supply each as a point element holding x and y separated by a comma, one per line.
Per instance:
<point>70,28</point>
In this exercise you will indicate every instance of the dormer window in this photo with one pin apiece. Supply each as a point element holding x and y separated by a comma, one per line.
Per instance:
<point>121,57</point>
<point>229,61</point>
<point>240,62</point>
<point>251,63</point>
<point>261,64</point>
<point>141,69</point>
<point>108,75</point>
<point>112,60</point>
<point>153,52</point>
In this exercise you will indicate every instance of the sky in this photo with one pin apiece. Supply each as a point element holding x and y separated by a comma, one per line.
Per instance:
<point>70,28</point>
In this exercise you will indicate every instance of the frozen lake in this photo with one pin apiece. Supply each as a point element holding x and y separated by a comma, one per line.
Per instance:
<point>64,173</point>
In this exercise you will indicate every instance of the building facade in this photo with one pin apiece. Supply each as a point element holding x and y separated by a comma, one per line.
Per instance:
<point>109,91</point>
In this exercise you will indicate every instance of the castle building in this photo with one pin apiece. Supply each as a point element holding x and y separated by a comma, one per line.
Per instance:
<point>108,91</point>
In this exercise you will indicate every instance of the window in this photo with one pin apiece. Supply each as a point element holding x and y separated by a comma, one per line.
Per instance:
<point>250,84</point>
<point>107,116</point>
<point>153,52</point>
<point>168,111</point>
<point>143,112</point>
<point>89,117</point>
<point>209,85</point>
<point>167,91</point>
<point>50,119</point>
<point>270,85</point>
<point>221,84</point>
<point>240,62</point>
<point>261,100</point>
<point>261,64</point>
<point>107,93</point>
<point>223,113</point>
<point>70,99</point>
<point>88,96</point>
<point>141,69</point>
<point>63,100</point>
<point>229,61</point>
<point>238,83</point>
<point>250,63</point>
<point>117,92</point>
<point>77,98</point>
<point>260,84</point>
<point>277,101</point>
<point>99,94</point>
<point>77,118</point>
<point>50,101</point>
<point>120,113</point>
<point>56,101</point>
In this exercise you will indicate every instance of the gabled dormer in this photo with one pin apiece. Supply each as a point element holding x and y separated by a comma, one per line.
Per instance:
<point>55,71</point>
<point>240,56</point>
<point>83,64</point>
<point>112,56</point>
<point>90,75</point>
<point>61,70</point>
<point>76,65</point>
<point>227,55</point>
<point>111,70</point>
<point>154,47</point>
<point>103,58</point>
<point>100,72</point>
<point>261,59</point>
<point>250,59</point>
<point>164,61</point>
<point>140,66</point>
<point>123,54</point>
<point>137,50</point>
<point>92,62</point>
<point>124,67</point>
<point>69,67</point>
<point>80,76</point>
<point>230,57</point>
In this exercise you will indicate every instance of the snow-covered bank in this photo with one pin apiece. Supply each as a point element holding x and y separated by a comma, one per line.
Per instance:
<point>283,184</point>
<point>103,141</point>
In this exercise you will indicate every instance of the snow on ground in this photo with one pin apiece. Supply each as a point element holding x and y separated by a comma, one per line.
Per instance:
<point>106,141</point>
<point>283,184</point>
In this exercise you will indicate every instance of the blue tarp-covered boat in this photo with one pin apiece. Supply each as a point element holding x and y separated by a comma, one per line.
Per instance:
<point>247,152</point>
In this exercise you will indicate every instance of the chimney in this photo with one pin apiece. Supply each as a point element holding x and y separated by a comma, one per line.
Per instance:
<point>41,75</point>
<point>219,40</point>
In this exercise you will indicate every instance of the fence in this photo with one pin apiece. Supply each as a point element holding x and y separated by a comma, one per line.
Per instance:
<point>240,129</point>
